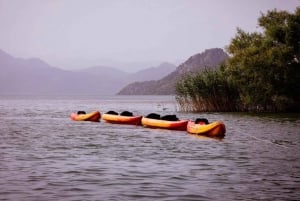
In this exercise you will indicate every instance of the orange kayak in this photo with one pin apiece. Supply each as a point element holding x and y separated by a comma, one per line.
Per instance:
<point>93,116</point>
<point>164,124</point>
<point>214,129</point>
<point>119,119</point>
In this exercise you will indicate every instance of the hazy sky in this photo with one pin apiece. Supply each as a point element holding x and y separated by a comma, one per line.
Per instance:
<point>83,33</point>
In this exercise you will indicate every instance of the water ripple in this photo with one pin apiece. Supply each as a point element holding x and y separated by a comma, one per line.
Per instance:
<point>45,156</point>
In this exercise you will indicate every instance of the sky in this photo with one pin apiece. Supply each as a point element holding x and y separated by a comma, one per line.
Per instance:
<point>126,34</point>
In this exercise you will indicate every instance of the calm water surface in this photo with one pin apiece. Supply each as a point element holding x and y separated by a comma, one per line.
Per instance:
<point>46,156</point>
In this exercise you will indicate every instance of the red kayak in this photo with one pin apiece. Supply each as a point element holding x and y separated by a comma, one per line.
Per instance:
<point>165,124</point>
<point>119,119</point>
<point>93,116</point>
<point>214,129</point>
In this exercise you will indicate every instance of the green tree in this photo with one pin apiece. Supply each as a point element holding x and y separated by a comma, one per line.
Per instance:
<point>265,66</point>
<point>262,73</point>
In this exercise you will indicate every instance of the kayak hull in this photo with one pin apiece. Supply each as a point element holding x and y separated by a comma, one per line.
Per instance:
<point>214,129</point>
<point>164,124</point>
<point>119,119</point>
<point>93,116</point>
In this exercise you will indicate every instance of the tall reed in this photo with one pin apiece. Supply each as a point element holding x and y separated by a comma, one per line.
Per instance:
<point>206,91</point>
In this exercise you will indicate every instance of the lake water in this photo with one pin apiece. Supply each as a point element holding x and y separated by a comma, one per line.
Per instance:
<point>46,156</point>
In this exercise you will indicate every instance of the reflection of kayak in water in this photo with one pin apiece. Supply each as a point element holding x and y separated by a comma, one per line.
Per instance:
<point>113,117</point>
<point>171,122</point>
<point>81,116</point>
<point>205,138</point>
<point>214,129</point>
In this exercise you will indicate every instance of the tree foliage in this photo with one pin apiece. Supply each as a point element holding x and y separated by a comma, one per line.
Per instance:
<point>263,69</point>
<point>265,66</point>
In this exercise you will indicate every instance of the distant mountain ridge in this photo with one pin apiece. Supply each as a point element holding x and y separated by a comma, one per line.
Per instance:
<point>104,71</point>
<point>210,58</point>
<point>153,73</point>
<point>34,76</point>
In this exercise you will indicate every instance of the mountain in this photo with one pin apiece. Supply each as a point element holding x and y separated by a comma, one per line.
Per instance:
<point>118,79</point>
<point>112,78</point>
<point>105,71</point>
<point>210,58</point>
<point>34,76</point>
<point>153,73</point>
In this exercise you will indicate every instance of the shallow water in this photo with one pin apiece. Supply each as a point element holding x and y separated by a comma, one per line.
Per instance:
<point>46,156</point>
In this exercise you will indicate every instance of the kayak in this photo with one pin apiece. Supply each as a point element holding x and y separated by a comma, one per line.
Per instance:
<point>164,124</point>
<point>93,116</point>
<point>214,129</point>
<point>119,119</point>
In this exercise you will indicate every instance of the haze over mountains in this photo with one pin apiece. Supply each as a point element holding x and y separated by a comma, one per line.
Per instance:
<point>34,76</point>
<point>210,58</point>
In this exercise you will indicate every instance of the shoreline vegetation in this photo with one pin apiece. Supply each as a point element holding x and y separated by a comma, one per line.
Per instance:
<point>262,73</point>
